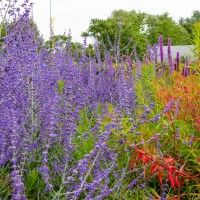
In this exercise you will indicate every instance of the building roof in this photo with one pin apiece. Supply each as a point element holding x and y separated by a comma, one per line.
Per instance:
<point>184,50</point>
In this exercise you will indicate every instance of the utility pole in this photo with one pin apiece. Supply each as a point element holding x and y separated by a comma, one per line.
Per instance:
<point>51,29</point>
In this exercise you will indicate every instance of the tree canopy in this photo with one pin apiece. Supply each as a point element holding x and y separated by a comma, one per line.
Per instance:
<point>122,29</point>
<point>138,29</point>
<point>188,22</point>
<point>164,25</point>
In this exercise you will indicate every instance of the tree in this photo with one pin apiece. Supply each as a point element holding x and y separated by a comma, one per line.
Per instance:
<point>188,22</point>
<point>64,42</point>
<point>122,30</point>
<point>164,25</point>
<point>61,40</point>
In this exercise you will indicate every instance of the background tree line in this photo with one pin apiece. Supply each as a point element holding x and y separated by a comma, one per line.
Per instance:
<point>124,30</point>
<point>139,29</point>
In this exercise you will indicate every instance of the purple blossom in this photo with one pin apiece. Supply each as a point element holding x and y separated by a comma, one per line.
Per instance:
<point>186,69</point>
<point>171,66</point>
<point>160,42</point>
<point>168,106</point>
<point>177,61</point>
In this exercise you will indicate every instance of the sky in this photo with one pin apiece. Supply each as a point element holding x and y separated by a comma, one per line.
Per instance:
<point>76,14</point>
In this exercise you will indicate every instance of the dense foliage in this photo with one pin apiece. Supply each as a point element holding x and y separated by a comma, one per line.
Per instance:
<point>188,22</point>
<point>76,126</point>
<point>128,29</point>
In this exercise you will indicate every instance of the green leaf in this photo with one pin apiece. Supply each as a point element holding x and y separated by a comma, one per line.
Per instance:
<point>61,86</point>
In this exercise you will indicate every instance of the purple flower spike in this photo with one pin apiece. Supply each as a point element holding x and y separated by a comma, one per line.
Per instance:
<point>160,41</point>
<point>177,61</point>
<point>185,69</point>
<point>169,48</point>
<point>171,67</point>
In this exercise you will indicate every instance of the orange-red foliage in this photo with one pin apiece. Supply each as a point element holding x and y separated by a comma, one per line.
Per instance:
<point>161,166</point>
<point>187,91</point>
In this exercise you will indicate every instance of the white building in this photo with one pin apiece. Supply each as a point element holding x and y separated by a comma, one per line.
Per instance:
<point>184,50</point>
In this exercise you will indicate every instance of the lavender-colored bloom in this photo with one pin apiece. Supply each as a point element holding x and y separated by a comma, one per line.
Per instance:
<point>171,67</point>
<point>178,135</point>
<point>130,62</point>
<point>185,69</point>
<point>150,52</point>
<point>17,184</point>
<point>49,187</point>
<point>177,61</point>
<point>138,133</point>
<point>168,106</point>
<point>160,42</point>
<point>164,190</point>
<point>169,48</point>
<point>155,52</point>
<point>156,118</point>
<point>132,183</point>
<point>190,142</point>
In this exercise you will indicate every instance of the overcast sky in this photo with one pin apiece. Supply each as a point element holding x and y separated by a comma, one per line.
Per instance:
<point>76,14</point>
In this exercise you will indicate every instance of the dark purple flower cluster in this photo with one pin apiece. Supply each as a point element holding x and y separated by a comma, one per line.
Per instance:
<point>162,64</point>
<point>160,42</point>
<point>171,66</point>
<point>186,69</point>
